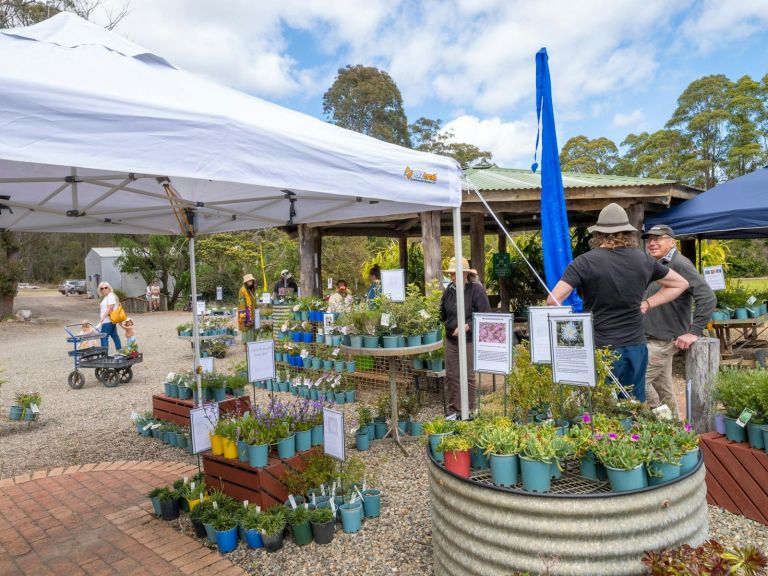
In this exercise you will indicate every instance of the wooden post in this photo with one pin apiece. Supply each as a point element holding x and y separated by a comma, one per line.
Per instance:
<point>503,285</point>
<point>477,244</point>
<point>688,249</point>
<point>430,239</point>
<point>306,259</point>
<point>701,367</point>
<point>318,262</point>
<point>636,215</point>
<point>403,254</point>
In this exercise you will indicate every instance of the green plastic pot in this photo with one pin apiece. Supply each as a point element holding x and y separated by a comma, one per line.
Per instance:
<point>302,534</point>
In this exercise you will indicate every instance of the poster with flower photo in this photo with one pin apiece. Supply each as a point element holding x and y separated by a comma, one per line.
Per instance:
<point>572,348</point>
<point>493,341</point>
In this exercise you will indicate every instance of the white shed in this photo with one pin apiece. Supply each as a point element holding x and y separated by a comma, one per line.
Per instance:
<point>101,266</point>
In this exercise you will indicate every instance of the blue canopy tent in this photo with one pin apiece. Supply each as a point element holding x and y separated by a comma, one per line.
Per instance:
<point>734,209</point>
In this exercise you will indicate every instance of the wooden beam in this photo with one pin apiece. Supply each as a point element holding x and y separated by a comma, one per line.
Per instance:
<point>477,244</point>
<point>430,239</point>
<point>402,244</point>
<point>307,237</point>
<point>593,193</point>
<point>636,214</point>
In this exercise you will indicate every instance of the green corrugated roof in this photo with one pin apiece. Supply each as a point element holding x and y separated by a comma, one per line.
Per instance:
<point>494,178</point>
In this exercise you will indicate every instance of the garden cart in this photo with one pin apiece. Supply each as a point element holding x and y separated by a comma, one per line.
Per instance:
<point>109,370</point>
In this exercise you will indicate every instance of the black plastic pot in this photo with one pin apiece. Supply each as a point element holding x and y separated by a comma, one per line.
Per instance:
<point>323,533</point>
<point>273,543</point>
<point>169,509</point>
<point>199,528</point>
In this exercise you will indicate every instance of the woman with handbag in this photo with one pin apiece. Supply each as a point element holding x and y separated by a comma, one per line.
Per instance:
<point>109,319</point>
<point>246,306</point>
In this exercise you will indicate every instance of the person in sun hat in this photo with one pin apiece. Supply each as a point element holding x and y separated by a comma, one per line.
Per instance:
<point>475,300</point>
<point>286,286</point>
<point>246,306</point>
<point>612,278</point>
<point>671,327</point>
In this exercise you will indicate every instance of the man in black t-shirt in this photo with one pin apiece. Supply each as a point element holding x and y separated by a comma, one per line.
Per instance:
<point>612,278</point>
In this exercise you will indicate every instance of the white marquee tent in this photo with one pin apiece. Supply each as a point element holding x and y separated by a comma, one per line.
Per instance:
<point>98,134</point>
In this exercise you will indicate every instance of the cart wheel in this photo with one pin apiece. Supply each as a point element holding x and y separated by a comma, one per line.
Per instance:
<point>99,373</point>
<point>126,374</point>
<point>111,378</point>
<point>76,380</point>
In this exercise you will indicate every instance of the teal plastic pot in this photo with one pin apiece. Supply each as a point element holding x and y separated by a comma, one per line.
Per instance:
<point>413,340</point>
<point>336,340</point>
<point>156,505</point>
<point>688,461</point>
<point>316,363</point>
<point>664,471</point>
<point>402,424</point>
<point>755,435</point>
<point>219,394</point>
<point>417,428</point>
<point>317,435</point>
<point>554,471</point>
<point>303,440</point>
<point>211,533</point>
<point>387,342</point>
<point>504,469</point>
<point>370,341</point>
<point>167,388</point>
<point>286,448</point>
<point>418,364</point>
<point>313,393</point>
<point>319,339</point>
<point>536,475</point>
<point>741,314</point>
<point>355,341</point>
<point>15,412</point>
<point>173,391</point>
<point>305,315</point>
<point>327,364</point>
<point>339,397</point>
<point>350,366</point>
<point>184,392</point>
<point>372,503</point>
<point>253,539</point>
<point>590,468</point>
<point>349,396</point>
<point>362,442</point>
<point>242,450</point>
<point>329,396</point>
<point>258,455</point>
<point>226,540</point>
<point>733,431</point>
<point>478,459</point>
<point>371,431</point>
<point>430,337</point>
<point>350,517</point>
<point>380,429</point>
<point>401,341</point>
<point>624,480</point>
<point>338,365</point>
<point>172,439</point>
<point>434,440</point>
<point>306,361</point>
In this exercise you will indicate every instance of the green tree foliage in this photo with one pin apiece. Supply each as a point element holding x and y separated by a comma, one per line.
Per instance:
<point>428,135</point>
<point>662,154</point>
<point>747,118</point>
<point>598,156</point>
<point>10,271</point>
<point>388,256</point>
<point>367,100</point>
<point>158,257</point>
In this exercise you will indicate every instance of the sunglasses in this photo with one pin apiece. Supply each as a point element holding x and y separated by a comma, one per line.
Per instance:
<point>103,288</point>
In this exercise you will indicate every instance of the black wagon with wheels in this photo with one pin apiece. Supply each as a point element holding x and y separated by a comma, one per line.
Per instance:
<point>109,370</point>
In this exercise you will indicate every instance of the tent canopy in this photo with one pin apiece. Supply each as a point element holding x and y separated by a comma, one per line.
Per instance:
<point>93,129</point>
<point>734,209</point>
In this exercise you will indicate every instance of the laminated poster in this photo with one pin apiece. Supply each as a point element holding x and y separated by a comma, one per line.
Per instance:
<point>393,284</point>
<point>207,364</point>
<point>202,421</point>
<point>538,331</point>
<point>493,339</point>
<point>572,346</point>
<point>333,434</point>
<point>261,360</point>
<point>715,277</point>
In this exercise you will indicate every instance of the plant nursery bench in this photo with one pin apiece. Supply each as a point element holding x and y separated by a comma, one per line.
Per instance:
<point>176,410</point>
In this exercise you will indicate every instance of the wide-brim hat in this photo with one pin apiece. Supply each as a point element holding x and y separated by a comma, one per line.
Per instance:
<point>464,266</point>
<point>248,278</point>
<point>612,220</point>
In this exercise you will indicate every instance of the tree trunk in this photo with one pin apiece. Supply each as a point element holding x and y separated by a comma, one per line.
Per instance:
<point>430,239</point>
<point>477,244</point>
<point>503,285</point>
<point>6,306</point>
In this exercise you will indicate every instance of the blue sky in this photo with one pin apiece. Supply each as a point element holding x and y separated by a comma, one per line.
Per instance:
<point>617,66</point>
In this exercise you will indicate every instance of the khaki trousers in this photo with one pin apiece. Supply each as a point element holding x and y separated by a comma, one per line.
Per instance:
<point>659,386</point>
<point>452,376</point>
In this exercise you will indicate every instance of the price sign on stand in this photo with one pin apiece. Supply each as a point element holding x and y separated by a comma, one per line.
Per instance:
<point>333,434</point>
<point>261,360</point>
<point>200,307</point>
<point>207,365</point>
<point>219,293</point>
<point>202,421</point>
<point>393,284</point>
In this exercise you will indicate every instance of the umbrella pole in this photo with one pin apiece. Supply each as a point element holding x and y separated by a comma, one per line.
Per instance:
<point>461,320</point>
<point>195,324</point>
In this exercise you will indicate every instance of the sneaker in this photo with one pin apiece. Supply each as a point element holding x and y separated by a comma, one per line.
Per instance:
<point>453,416</point>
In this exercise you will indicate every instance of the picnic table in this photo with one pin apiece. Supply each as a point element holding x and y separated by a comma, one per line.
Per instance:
<point>736,334</point>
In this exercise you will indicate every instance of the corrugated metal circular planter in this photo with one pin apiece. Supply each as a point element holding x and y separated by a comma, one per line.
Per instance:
<point>483,530</point>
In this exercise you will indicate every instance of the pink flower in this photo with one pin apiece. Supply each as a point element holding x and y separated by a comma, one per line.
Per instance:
<point>585,418</point>
<point>687,427</point>
<point>598,436</point>
<point>612,436</point>
<point>634,437</point>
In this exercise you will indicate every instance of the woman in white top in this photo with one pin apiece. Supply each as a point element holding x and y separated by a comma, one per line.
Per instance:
<point>109,302</point>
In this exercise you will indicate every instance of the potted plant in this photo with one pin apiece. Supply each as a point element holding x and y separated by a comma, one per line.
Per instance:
<point>24,402</point>
<point>323,524</point>
<point>733,390</point>
<point>537,454</point>
<point>154,497</point>
<point>436,429</point>
<point>272,525</point>
<point>250,522</point>
<point>382,406</point>
<point>664,452</point>
<point>225,525</point>
<point>303,420</point>
<point>362,442</point>
<point>300,528</point>
<point>351,516</point>
<point>350,389</point>
<point>502,445</point>
<point>624,457</point>
<point>169,504</point>
<point>365,419</point>
<point>455,449</point>
<point>199,516</point>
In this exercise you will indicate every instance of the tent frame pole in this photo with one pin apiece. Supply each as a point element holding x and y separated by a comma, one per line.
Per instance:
<point>195,319</point>
<point>460,315</point>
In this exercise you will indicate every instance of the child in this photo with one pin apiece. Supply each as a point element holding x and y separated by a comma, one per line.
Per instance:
<point>131,348</point>
<point>87,329</point>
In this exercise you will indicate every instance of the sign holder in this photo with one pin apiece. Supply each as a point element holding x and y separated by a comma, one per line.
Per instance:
<point>538,331</point>
<point>493,343</point>
<point>393,284</point>
<point>202,421</point>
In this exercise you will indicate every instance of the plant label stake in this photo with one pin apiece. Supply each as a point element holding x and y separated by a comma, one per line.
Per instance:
<point>258,508</point>
<point>322,489</point>
<point>314,503</point>
<point>359,493</point>
<point>202,498</point>
<point>744,417</point>
<point>215,505</point>
<point>333,507</point>
<point>292,500</point>
<point>245,503</point>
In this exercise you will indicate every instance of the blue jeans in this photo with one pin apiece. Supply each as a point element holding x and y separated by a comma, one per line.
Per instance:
<point>629,369</point>
<point>109,329</point>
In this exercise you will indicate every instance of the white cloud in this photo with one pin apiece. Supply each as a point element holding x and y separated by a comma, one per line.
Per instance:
<point>721,22</point>
<point>510,142</point>
<point>633,119</point>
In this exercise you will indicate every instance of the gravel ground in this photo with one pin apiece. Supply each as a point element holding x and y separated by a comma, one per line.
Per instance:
<point>92,424</point>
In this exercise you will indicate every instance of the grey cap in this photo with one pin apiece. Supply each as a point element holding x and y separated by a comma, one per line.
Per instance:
<point>659,230</point>
<point>612,219</point>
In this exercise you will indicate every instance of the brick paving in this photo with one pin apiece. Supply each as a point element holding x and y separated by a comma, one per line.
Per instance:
<point>95,520</point>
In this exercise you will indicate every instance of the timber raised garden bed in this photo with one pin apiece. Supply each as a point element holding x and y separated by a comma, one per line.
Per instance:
<point>737,476</point>
<point>176,410</point>
<point>262,486</point>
